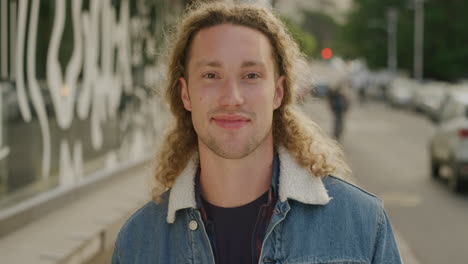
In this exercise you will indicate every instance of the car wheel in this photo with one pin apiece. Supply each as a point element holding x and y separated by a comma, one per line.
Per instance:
<point>455,183</point>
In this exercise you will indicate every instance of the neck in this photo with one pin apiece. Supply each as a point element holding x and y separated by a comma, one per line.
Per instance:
<point>235,182</point>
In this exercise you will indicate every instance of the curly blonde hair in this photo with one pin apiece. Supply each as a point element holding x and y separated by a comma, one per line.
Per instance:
<point>302,137</point>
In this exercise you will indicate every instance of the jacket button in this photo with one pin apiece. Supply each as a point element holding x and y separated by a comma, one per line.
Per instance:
<point>193,225</point>
<point>268,260</point>
<point>277,211</point>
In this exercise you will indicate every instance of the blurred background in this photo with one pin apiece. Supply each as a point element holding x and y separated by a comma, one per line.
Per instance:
<point>81,115</point>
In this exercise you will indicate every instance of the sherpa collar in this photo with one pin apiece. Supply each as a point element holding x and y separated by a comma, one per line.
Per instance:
<point>295,183</point>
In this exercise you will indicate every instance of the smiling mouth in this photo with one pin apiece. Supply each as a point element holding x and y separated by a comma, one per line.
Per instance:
<point>230,122</point>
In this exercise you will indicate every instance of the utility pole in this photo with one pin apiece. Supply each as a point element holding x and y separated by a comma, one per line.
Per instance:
<point>418,39</point>
<point>392,21</point>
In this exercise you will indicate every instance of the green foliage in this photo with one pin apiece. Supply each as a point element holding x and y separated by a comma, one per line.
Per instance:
<point>445,36</point>
<point>307,42</point>
<point>320,25</point>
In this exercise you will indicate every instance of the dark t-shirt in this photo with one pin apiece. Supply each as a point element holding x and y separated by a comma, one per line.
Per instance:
<point>234,228</point>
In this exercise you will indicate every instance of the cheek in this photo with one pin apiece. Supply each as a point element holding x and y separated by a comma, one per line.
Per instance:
<point>205,93</point>
<point>197,96</point>
<point>262,98</point>
<point>262,102</point>
<point>202,102</point>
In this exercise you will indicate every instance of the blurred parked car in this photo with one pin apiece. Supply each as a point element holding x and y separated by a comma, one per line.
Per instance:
<point>323,76</point>
<point>428,99</point>
<point>320,89</point>
<point>401,91</point>
<point>378,84</point>
<point>449,146</point>
<point>449,90</point>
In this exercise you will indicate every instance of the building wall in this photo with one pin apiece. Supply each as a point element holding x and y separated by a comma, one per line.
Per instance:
<point>78,95</point>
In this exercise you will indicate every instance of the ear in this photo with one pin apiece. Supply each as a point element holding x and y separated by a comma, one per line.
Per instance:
<point>184,94</point>
<point>279,92</point>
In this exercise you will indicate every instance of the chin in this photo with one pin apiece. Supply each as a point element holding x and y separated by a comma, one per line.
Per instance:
<point>229,154</point>
<point>231,150</point>
<point>232,146</point>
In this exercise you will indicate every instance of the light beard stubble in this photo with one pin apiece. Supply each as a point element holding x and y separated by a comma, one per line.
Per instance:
<point>216,147</point>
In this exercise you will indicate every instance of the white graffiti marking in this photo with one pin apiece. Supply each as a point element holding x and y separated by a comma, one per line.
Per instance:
<point>3,40</point>
<point>22,98</point>
<point>4,150</point>
<point>63,92</point>
<point>102,85</point>
<point>108,85</point>
<point>34,89</point>
<point>91,56</point>
<point>70,169</point>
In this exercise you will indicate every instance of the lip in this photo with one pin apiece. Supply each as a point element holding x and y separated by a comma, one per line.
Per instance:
<point>230,121</point>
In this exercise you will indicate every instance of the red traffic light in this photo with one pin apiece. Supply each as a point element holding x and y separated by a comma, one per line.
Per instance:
<point>327,53</point>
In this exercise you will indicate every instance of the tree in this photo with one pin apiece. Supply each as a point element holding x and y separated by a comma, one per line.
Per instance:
<point>365,35</point>
<point>320,25</point>
<point>446,38</point>
<point>307,42</point>
<point>445,52</point>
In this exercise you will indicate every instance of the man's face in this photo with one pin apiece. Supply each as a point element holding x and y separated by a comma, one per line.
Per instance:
<point>231,89</point>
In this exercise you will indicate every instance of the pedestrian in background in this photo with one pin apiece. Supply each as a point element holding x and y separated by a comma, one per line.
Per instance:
<point>243,176</point>
<point>339,104</point>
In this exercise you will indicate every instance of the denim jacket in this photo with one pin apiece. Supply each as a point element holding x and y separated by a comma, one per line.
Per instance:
<point>315,220</point>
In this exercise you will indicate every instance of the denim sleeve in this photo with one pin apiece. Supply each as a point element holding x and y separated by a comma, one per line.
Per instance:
<point>386,249</point>
<point>116,255</point>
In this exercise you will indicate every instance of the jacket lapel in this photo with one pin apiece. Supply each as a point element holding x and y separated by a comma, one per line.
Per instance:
<point>295,183</point>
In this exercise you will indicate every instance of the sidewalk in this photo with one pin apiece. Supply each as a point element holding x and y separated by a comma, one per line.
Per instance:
<point>84,228</point>
<point>318,109</point>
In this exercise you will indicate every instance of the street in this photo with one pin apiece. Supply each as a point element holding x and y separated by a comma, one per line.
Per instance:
<point>387,150</point>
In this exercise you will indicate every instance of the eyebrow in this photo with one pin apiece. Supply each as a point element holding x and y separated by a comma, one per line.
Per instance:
<point>252,63</point>
<point>218,64</point>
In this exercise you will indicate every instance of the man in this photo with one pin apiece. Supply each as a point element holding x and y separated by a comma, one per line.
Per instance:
<point>339,104</point>
<point>242,177</point>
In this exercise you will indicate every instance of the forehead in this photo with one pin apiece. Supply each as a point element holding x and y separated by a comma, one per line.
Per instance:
<point>227,43</point>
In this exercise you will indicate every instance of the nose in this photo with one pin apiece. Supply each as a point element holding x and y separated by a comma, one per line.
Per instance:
<point>231,94</point>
